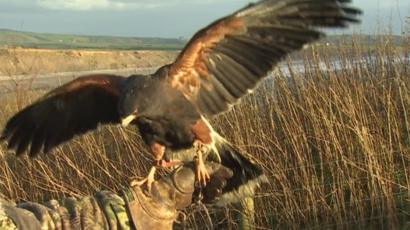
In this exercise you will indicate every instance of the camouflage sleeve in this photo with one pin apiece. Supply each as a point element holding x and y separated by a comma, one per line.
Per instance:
<point>105,210</point>
<point>6,222</point>
<point>12,217</point>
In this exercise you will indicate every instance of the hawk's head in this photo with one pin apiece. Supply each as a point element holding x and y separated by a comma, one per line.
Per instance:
<point>136,98</point>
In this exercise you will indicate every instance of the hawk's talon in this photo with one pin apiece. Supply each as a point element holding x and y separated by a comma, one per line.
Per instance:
<point>201,173</point>
<point>137,183</point>
<point>148,180</point>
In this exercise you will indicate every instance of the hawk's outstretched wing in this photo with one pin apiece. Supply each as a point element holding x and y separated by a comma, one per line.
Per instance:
<point>227,59</point>
<point>71,109</point>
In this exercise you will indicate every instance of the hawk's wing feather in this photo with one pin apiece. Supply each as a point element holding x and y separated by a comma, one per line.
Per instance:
<point>225,60</point>
<point>74,108</point>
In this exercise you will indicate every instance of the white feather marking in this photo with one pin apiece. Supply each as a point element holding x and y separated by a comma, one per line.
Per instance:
<point>214,135</point>
<point>246,190</point>
<point>212,62</point>
<point>243,191</point>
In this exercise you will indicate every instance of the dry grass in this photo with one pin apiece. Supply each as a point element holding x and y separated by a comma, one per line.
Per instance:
<point>16,61</point>
<point>335,143</point>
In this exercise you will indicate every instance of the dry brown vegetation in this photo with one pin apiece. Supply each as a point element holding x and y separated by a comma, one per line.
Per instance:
<point>16,61</point>
<point>335,143</point>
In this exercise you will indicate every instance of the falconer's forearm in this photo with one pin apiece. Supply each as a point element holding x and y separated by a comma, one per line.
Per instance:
<point>133,208</point>
<point>105,210</point>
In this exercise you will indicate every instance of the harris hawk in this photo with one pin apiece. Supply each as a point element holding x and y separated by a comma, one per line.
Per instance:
<point>171,107</point>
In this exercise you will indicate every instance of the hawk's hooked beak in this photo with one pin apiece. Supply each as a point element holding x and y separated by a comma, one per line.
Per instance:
<point>126,121</point>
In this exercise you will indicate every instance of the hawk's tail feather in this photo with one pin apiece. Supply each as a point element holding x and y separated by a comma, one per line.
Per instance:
<point>247,175</point>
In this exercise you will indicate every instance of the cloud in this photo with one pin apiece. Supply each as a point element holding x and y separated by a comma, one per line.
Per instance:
<point>80,4</point>
<point>76,5</point>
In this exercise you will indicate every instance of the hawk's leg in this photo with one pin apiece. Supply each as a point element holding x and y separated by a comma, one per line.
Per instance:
<point>201,173</point>
<point>202,143</point>
<point>158,151</point>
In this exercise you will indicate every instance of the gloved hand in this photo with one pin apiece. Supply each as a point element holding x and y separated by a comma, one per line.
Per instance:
<point>158,208</point>
<point>137,207</point>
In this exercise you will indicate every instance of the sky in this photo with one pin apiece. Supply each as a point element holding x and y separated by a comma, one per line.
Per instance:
<point>161,18</point>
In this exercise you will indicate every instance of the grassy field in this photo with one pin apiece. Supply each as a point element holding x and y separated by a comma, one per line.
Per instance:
<point>334,142</point>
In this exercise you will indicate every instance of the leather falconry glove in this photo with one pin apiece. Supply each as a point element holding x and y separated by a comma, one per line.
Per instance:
<point>158,208</point>
<point>135,209</point>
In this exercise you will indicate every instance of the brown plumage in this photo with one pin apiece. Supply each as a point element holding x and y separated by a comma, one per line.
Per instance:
<point>218,66</point>
<point>72,109</point>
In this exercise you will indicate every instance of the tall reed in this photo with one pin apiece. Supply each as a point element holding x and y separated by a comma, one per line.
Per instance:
<point>332,131</point>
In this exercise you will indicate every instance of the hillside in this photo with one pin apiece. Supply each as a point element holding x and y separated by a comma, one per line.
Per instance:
<point>11,38</point>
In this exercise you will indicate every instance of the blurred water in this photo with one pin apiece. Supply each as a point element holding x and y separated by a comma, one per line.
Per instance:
<point>52,80</point>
